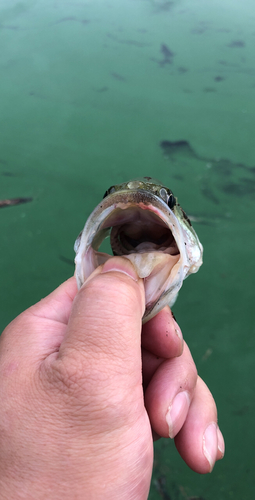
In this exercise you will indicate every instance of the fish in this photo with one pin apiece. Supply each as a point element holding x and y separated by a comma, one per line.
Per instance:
<point>167,55</point>
<point>146,225</point>
<point>14,201</point>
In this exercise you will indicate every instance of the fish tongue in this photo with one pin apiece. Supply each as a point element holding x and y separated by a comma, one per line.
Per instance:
<point>145,263</point>
<point>155,268</point>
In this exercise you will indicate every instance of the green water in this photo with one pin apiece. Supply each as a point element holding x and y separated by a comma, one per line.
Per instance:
<point>87,96</point>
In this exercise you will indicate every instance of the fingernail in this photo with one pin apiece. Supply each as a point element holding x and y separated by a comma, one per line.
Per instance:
<point>221,443</point>
<point>177,413</point>
<point>210,444</point>
<point>178,331</point>
<point>177,328</point>
<point>121,265</point>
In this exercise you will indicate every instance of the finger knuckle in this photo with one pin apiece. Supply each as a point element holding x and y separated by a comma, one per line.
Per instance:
<point>66,375</point>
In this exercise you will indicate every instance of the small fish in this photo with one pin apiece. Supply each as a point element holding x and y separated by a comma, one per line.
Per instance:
<point>167,55</point>
<point>14,201</point>
<point>118,77</point>
<point>147,226</point>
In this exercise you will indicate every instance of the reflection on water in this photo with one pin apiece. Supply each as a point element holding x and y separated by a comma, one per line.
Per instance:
<point>94,93</point>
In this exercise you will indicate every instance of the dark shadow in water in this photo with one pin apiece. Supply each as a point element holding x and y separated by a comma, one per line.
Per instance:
<point>209,89</point>
<point>135,43</point>
<point>236,44</point>
<point>66,260</point>
<point>14,201</point>
<point>71,18</point>
<point>217,174</point>
<point>166,489</point>
<point>118,77</point>
<point>8,174</point>
<point>164,6</point>
<point>181,147</point>
<point>167,56</point>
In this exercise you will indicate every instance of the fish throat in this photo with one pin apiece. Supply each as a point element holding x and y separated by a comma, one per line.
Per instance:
<point>142,231</point>
<point>140,235</point>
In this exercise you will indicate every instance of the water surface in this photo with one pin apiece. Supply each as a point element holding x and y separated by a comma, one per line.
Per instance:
<point>94,93</point>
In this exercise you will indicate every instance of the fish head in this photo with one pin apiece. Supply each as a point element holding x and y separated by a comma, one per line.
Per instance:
<point>145,224</point>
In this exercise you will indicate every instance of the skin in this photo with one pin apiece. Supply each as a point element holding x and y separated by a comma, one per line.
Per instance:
<point>75,420</point>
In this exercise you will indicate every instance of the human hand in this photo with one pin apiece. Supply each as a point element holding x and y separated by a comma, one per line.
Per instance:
<point>73,423</point>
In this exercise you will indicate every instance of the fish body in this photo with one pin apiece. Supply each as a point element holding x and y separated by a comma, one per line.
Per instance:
<point>146,225</point>
<point>14,201</point>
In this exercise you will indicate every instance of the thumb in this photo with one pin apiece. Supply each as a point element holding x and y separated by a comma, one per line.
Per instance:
<point>105,321</point>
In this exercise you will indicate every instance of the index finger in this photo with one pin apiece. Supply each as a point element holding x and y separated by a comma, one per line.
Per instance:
<point>162,335</point>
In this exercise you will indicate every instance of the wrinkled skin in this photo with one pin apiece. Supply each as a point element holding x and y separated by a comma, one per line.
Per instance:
<point>74,423</point>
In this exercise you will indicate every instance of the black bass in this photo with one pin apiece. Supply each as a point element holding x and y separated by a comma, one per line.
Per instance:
<point>146,225</point>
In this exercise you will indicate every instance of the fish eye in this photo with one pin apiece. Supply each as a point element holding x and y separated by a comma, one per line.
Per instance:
<point>171,201</point>
<point>168,197</point>
<point>163,194</point>
<point>109,191</point>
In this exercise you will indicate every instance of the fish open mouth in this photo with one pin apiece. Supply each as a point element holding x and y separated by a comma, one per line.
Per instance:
<point>143,222</point>
<point>138,233</point>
